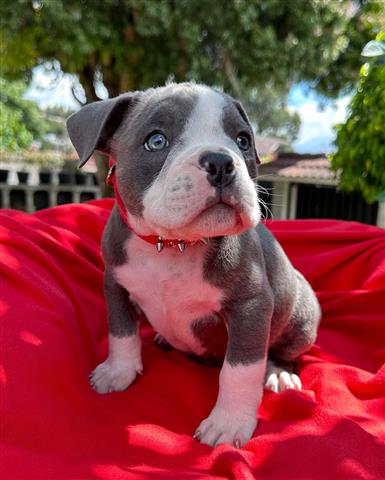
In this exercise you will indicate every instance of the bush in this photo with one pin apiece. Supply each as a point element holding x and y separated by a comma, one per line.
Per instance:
<point>20,120</point>
<point>360,155</point>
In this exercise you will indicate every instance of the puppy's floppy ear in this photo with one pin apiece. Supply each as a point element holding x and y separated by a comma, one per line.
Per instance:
<point>92,127</point>
<point>243,114</point>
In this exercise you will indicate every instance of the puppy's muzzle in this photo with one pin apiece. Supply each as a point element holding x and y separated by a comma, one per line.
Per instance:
<point>220,168</point>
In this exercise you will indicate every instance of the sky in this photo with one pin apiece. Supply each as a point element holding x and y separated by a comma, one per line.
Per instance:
<point>316,134</point>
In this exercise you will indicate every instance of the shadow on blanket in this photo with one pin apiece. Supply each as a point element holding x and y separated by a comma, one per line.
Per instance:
<point>53,332</point>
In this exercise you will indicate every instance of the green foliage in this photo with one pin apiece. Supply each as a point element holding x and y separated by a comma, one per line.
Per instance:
<point>136,43</point>
<point>340,75</point>
<point>20,119</point>
<point>360,156</point>
<point>241,45</point>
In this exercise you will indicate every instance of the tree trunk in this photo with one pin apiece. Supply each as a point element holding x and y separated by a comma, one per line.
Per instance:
<point>230,72</point>
<point>86,78</point>
<point>115,85</point>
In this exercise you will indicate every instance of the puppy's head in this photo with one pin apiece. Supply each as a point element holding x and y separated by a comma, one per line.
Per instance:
<point>185,159</point>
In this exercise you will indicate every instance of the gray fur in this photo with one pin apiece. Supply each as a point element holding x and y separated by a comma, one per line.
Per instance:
<point>122,315</point>
<point>269,304</point>
<point>92,127</point>
<point>114,236</point>
<point>300,331</point>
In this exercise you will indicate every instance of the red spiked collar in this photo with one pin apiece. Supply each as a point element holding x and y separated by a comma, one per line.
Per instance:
<point>156,240</point>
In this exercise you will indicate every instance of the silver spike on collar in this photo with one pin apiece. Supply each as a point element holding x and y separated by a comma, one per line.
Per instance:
<point>159,245</point>
<point>181,244</point>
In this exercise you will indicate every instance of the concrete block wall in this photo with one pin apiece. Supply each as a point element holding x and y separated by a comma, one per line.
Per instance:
<point>31,188</point>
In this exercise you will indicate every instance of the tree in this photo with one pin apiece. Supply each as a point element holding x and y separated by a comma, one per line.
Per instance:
<point>365,22</point>
<point>360,156</point>
<point>20,119</point>
<point>241,45</point>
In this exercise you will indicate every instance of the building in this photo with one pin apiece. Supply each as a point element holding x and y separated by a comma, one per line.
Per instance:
<point>296,186</point>
<point>304,186</point>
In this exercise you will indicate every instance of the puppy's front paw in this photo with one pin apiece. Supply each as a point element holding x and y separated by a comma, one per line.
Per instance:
<point>222,426</point>
<point>115,376</point>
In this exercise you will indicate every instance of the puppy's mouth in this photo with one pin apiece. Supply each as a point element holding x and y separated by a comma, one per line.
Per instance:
<point>223,205</point>
<point>219,214</point>
<point>217,219</point>
<point>222,212</point>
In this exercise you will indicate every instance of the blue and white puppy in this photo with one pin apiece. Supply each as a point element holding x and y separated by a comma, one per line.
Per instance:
<point>185,169</point>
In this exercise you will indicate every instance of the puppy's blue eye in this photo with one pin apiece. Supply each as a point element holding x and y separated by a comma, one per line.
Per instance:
<point>243,142</point>
<point>155,142</point>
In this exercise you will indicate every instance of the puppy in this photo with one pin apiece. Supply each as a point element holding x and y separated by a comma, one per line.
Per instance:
<point>184,245</point>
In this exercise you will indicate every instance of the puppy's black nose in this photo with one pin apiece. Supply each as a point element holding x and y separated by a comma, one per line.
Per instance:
<point>219,167</point>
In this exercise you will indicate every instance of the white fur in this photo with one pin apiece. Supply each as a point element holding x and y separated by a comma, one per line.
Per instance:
<point>170,289</point>
<point>124,362</point>
<point>204,126</point>
<point>278,379</point>
<point>234,416</point>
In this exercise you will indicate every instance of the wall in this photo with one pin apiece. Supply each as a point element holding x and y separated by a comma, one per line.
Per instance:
<point>32,188</point>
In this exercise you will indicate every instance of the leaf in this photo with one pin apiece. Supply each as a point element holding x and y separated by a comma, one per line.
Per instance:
<point>364,69</point>
<point>373,49</point>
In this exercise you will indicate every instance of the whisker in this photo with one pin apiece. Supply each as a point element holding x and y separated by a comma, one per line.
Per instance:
<point>264,176</point>
<point>262,189</point>
<point>267,210</point>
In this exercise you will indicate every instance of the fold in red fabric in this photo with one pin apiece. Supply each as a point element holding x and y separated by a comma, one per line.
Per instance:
<point>54,332</point>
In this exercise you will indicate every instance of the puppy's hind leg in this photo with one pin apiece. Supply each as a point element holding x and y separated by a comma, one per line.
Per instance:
<point>297,338</point>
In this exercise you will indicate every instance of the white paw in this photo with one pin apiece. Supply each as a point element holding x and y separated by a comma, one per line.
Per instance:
<point>222,426</point>
<point>280,381</point>
<point>116,376</point>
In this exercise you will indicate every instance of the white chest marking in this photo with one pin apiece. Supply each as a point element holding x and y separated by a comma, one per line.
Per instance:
<point>170,289</point>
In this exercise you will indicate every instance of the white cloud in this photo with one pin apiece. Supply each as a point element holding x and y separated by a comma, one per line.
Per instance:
<point>316,133</point>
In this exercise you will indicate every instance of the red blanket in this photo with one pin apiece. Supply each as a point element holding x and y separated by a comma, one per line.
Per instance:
<point>54,332</point>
